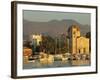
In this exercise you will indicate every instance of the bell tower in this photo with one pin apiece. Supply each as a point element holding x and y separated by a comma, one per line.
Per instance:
<point>74,33</point>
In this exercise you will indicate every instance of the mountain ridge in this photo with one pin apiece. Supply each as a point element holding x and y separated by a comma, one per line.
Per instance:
<point>53,27</point>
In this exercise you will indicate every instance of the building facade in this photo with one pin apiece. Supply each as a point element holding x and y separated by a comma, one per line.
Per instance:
<point>77,43</point>
<point>36,39</point>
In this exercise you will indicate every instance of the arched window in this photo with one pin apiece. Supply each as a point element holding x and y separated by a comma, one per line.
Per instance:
<point>84,50</point>
<point>79,51</point>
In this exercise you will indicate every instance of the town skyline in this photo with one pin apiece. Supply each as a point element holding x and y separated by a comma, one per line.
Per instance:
<point>52,28</point>
<point>65,50</point>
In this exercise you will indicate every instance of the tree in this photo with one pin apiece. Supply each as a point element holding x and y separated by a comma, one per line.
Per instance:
<point>88,35</point>
<point>27,44</point>
<point>48,44</point>
<point>64,44</point>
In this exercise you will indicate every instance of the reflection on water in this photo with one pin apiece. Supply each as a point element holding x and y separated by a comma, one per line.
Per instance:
<point>37,64</point>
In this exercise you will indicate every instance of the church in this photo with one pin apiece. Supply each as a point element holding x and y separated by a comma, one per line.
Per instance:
<point>77,43</point>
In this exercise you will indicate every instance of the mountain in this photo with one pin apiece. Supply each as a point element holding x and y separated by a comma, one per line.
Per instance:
<point>53,27</point>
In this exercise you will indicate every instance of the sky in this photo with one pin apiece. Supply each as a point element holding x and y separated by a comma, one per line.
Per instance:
<point>45,16</point>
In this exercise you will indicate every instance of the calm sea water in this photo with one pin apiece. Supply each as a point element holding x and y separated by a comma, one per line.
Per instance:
<point>37,64</point>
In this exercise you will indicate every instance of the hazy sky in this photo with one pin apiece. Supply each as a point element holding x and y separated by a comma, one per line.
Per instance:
<point>45,16</point>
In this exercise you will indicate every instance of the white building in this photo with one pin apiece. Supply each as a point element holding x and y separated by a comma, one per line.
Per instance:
<point>36,39</point>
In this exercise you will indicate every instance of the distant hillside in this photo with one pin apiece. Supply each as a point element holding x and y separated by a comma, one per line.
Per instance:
<point>52,28</point>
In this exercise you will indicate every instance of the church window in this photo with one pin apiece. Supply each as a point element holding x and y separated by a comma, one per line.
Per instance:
<point>79,50</point>
<point>84,50</point>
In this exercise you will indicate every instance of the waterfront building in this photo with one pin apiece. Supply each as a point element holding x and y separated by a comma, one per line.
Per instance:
<point>36,39</point>
<point>77,43</point>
